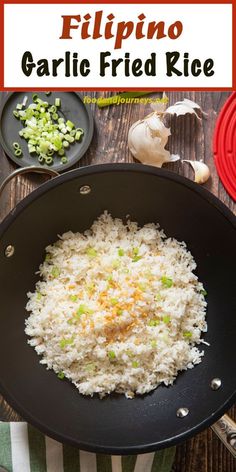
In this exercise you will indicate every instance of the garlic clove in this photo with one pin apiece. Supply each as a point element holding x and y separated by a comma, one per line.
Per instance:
<point>147,139</point>
<point>201,171</point>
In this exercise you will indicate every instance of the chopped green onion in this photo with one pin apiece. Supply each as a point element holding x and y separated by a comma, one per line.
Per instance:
<point>43,129</point>
<point>111,355</point>
<point>83,310</point>
<point>16,145</point>
<point>39,296</point>
<point>187,334</point>
<point>69,124</point>
<point>153,323</point>
<point>78,135</point>
<point>91,252</point>
<point>52,109</point>
<point>57,102</point>
<point>203,292</point>
<point>18,152</point>
<point>135,251</point>
<point>166,282</point>
<point>55,272</point>
<point>48,257</point>
<point>119,312</point>
<point>114,301</point>
<point>158,297</point>
<point>61,375</point>
<point>154,343</point>
<point>136,258</point>
<point>135,364</point>
<point>73,298</point>
<point>166,319</point>
<point>48,160</point>
<point>64,160</point>
<point>121,252</point>
<point>31,149</point>
<point>66,342</point>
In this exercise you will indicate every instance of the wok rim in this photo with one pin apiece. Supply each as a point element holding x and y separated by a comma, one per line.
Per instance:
<point>96,169</point>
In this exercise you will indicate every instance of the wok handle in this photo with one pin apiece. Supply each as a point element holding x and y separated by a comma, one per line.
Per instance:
<point>225,428</point>
<point>26,170</point>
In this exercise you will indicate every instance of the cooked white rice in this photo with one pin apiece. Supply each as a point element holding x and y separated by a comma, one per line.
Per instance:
<point>117,308</point>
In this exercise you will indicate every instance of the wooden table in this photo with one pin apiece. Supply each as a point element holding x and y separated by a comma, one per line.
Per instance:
<point>190,139</point>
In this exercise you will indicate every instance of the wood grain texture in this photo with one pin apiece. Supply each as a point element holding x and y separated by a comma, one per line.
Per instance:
<point>191,140</point>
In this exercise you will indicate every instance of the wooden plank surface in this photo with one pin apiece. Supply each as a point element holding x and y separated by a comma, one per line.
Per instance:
<point>191,140</point>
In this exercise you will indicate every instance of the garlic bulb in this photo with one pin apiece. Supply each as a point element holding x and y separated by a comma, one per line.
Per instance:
<point>147,139</point>
<point>201,171</point>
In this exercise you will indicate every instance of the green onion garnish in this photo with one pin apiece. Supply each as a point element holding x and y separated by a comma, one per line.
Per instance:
<point>55,272</point>
<point>73,298</point>
<point>111,355</point>
<point>18,153</point>
<point>16,145</point>
<point>66,342</point>
<point>166,282</point>
<point>154,343</point>
<point>135,364</point>
<point>166,319</point>
<point>136,258</point>
<point>61,375</point>
<point>57,102</point>
<point>119,312</point>
<point>203,292</point>
<point>187,334</point>
<point>83,310</point>
<point>153,323</point>
<point>114,301</point>
<point>121,252</point>
<point>91,252</point>
<point>39,296</point>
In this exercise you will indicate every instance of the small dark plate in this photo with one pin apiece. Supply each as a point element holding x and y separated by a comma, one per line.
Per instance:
<point>72,108</point>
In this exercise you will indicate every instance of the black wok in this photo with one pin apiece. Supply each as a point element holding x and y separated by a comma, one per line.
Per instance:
<point>185,211</point>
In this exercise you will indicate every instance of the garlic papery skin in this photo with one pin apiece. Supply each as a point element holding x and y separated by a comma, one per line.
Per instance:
<point>201,171</point>
<point>183,107</point>
<point>147,139</point>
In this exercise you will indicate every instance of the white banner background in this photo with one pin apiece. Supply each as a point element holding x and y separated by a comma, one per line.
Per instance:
<point>207,33</point>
